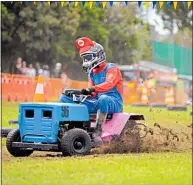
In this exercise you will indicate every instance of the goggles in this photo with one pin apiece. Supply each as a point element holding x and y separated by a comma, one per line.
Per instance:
<point>88,57</point>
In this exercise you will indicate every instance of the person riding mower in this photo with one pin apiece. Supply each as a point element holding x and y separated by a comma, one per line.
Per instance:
<point>105,84</point>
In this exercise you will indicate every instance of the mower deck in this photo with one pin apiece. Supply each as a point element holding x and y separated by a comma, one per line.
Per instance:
<point>36,146</point>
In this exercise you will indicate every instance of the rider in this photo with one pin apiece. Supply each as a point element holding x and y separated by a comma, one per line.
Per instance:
<point>104,83</point>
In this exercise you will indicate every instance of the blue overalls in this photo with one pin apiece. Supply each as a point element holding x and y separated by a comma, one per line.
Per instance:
<point>107,102</point>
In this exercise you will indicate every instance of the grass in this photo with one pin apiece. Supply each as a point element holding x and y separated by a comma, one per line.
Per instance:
<point>9,112</point>
<point>152,115</point>
<point>162,116</point>
<point>133,169</point>
<point>161,168</point>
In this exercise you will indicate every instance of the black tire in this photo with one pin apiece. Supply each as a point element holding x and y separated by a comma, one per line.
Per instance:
<point>134,129</point>
<point>129,126</point>
<point>177,108</point>
<point>141,126</point>
<point>74,137</point>
<point>140,105</point>
<point>14,136</point>
<point>158,105</point>
<point>5,131</point>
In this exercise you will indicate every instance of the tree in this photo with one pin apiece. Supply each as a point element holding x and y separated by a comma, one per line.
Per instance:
<point>39,33</point>
<point>126,43</point>
<point>182,17</point>
<point>47,34</point>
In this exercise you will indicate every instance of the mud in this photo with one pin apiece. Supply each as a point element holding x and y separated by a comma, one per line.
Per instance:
<point>158,139</point>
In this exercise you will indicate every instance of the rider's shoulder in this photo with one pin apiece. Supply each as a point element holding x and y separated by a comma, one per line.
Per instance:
<point>111,65</point>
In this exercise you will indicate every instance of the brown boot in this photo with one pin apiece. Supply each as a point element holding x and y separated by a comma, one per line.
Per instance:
<point>100,120</point>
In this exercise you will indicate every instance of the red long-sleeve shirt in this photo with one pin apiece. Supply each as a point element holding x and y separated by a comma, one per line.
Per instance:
<point>113,78</point>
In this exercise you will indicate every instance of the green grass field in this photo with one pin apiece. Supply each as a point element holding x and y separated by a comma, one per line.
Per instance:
<point>132,169</point>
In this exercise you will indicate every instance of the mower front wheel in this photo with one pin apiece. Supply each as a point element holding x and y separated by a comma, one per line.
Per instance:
<point>14,136</point>
<point>76,142</point>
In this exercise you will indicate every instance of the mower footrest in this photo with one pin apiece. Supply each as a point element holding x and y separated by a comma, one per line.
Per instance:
<point>35,146</point>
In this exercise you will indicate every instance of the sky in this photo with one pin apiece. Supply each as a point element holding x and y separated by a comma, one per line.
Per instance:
<point>152,16</point>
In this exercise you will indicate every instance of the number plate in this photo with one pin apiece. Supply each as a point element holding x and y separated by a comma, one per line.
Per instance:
<point>65,111</point>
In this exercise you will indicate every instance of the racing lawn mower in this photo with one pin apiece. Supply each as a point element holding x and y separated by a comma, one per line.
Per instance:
<point>65,127</point>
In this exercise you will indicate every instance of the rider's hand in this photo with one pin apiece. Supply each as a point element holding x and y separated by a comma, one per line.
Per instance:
<point>87,91</point>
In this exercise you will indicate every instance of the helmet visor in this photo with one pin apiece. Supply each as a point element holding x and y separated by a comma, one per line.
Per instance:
<point>88,57</point>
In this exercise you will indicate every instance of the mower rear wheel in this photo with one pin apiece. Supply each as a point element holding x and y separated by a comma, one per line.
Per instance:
<point>76,142</point>
<point>135,129</point>
<point>14,136</point>
<point>141,129</point>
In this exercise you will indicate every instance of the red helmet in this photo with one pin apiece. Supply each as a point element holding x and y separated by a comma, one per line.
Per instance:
<point>92,53</point>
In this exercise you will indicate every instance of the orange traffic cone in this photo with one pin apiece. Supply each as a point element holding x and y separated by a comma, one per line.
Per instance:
<point>39,93</point>
<point>169,98</point>
<point>144,96</point>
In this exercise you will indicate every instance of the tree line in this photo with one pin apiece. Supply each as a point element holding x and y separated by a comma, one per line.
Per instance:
<point>47,34</point>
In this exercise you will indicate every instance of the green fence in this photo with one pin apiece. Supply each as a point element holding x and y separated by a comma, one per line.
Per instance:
<point>173,55</point>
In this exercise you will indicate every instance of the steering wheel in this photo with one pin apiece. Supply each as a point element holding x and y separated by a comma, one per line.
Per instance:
<point>79,98</point>
<point>70,92</point>
<point>76,95</point>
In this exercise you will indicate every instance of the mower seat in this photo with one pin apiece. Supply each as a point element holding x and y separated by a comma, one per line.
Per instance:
<point>93,117</point>
<point>109,116</point>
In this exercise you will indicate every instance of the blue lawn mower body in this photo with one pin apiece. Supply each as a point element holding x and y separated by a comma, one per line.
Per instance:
<point>60,127</point>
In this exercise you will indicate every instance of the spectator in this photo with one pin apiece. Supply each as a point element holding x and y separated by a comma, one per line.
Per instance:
<point>57,72</point>
<point>39,70</point>
<point>31,71</point>
<point>46,72</point>
<point>24,67</point>
<point>16,68</point>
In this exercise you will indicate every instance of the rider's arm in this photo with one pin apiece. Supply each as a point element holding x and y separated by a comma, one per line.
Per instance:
<point>112,77</point>
<point>90,83</point>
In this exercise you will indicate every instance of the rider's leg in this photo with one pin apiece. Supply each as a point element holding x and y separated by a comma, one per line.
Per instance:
<point>106,104</point>
<point>91,104</point>
<point>100,120</point>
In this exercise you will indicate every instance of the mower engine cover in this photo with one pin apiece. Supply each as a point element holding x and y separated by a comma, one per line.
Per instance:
<point>39,122</point>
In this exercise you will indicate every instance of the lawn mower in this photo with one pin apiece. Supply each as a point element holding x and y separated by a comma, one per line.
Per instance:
<point>65,127</point>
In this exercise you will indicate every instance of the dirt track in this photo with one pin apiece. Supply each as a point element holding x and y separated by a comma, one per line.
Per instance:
<point>158,139</point>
